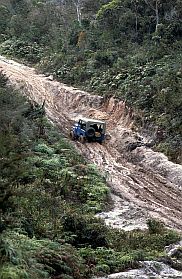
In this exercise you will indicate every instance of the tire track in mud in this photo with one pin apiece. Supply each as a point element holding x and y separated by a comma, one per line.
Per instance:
<point>144,189</point>
<point>140,186</point>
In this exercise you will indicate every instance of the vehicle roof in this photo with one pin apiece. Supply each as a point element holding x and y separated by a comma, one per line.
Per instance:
<point>85,119</point>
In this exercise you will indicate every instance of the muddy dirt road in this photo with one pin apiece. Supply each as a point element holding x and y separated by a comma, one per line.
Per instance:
<point>143,182</point>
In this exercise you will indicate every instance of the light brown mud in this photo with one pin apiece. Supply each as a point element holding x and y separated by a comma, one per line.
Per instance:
<point>152,186</point>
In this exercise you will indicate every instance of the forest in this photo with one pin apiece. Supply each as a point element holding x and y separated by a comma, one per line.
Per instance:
<point>130,49</point>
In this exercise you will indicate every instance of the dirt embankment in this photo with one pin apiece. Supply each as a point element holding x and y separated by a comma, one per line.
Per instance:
<point>147,186</point>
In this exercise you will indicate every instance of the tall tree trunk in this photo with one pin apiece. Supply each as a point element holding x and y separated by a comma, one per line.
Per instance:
<point>136,19</point>
<point>77,5</point>
<point>157,14</point>
<point>154,7</point>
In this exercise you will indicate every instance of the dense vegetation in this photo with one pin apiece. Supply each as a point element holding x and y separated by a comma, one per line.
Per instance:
<point>129,48</point>
<point>48,199</point>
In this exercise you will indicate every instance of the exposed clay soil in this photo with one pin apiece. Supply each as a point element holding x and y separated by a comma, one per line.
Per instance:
<point>142,180</point>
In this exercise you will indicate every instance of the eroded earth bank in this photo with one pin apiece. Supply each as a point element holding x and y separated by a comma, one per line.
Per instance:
<point>143,182</point>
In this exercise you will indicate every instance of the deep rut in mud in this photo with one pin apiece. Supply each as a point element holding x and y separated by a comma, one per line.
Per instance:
<point>149,188</point>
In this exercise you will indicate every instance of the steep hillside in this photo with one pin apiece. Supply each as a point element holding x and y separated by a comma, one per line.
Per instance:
<point>74,211</point>
<point>49,194</point>
<point>129,49</point>
<point>137,174</point>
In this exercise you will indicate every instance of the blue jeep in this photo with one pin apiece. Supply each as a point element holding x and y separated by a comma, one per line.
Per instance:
<point>87,129</point>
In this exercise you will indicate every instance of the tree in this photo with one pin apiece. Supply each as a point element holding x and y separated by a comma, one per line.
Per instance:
<point>78,6</point>
<point>154,5</point>
<point>4,19</point>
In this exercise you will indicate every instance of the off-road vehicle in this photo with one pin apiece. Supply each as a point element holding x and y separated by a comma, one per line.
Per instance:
<point>87,129</point>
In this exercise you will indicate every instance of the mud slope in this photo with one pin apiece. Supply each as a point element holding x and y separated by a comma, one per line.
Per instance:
<point>153,185</point>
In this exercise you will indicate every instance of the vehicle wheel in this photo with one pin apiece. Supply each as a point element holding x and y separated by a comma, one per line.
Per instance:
<point>90,132</point>
<point>81,139</point>
<point>107,137</point>
<point>72,135</point>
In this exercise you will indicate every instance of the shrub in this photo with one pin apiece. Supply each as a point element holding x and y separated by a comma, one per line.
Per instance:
<point>86,230</point>
<point>155,226</point>
<point>40,259</point>
<point>31,52</point>
<point>3,79</point>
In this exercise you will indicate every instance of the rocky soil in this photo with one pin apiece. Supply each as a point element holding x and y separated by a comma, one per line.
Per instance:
<point>148,270</point>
